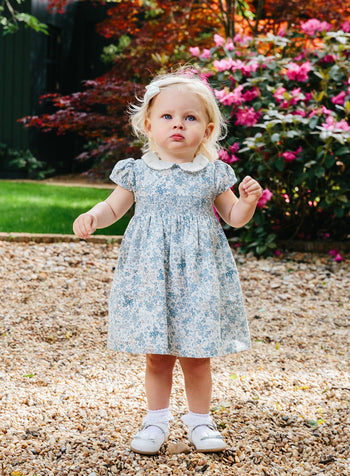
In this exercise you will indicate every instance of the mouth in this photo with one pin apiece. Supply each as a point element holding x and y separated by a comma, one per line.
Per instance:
<point>177,137</point>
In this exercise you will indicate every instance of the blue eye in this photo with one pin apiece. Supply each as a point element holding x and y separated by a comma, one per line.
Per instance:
<point>166,116</point>
<point>190,118</point>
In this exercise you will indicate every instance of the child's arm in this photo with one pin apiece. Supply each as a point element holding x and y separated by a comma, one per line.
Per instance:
<point>104,213</point>
<point>236,212</point>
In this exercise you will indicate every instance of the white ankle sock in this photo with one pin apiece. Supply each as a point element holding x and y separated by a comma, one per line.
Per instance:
<point>194,419</point>
<point>199,420</point>
<point>156,416</point>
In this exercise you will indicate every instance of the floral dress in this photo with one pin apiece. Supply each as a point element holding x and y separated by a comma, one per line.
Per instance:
<point>176,289</point>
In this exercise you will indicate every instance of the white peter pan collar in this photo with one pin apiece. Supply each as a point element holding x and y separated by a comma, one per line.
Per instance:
<point>154,162</point>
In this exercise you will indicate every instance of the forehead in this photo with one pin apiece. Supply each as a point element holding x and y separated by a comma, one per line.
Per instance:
<point>178,96</point>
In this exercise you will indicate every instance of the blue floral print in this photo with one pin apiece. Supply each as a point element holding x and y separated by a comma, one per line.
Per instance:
<point>176,288</point>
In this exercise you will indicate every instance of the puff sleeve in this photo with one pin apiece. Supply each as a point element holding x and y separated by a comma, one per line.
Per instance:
<point>224,177</point>
<point>123,174</point>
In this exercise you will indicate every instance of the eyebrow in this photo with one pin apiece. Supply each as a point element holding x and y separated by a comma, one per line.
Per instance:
<point>171,111</point>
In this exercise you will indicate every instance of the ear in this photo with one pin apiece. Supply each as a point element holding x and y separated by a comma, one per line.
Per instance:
<point>147,125</point>
<point>209,129</point>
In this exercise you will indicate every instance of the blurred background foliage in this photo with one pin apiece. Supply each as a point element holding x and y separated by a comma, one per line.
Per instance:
<point>288,118</point>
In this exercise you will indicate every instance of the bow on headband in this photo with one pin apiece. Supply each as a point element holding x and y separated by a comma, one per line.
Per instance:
<point>151,91</point>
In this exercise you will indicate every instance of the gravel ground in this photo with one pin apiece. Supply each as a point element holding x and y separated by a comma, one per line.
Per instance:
<point>70,407</point>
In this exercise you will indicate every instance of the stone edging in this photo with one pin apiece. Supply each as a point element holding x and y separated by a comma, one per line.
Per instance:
<point>302,246</point>
<point>57,238</point>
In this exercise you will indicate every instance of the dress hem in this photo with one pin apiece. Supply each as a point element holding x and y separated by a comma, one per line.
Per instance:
<point>177,354</point>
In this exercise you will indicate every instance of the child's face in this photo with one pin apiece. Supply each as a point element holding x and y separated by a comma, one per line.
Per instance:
<point>177,124</point>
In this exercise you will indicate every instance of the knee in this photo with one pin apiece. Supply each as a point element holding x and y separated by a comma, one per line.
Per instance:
<point>160,363</point>
<point>195,368</point>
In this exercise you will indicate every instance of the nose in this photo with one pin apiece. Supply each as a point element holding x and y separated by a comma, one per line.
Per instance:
<point>178,125</point>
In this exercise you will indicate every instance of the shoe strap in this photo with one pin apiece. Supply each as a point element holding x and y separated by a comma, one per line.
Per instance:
<point>211,427</point>
<point>162,426</point>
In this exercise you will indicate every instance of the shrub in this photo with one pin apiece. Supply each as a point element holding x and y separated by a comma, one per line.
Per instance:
<point>286,98</point>
<point>23,160</point>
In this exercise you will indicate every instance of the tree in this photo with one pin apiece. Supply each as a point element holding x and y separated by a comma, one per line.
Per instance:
<point>148,36</point>
<point>11,18</point>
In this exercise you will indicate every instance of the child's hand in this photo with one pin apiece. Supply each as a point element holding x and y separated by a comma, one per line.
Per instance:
<point>85,225</point>
<point>249,190</point>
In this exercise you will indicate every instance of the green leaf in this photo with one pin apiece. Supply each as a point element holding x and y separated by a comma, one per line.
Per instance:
<point>339,212</point>
<point>329,162</point>
<point>313,122</point>
<point>319,172</point>
<point>279,164</point>
<point>342,151</point>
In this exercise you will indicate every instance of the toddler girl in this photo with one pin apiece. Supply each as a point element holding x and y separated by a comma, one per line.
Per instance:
<point>176,293</point>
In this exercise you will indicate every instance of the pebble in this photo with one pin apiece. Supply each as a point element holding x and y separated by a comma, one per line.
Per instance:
<point>179,447</point>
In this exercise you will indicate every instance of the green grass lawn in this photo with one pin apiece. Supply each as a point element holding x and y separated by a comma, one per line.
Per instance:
<point>42,208</point>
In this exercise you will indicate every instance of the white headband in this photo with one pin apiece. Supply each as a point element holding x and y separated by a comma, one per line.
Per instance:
<point>151,91</point>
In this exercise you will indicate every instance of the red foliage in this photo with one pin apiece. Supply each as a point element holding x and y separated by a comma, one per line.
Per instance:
<point>161,32</point>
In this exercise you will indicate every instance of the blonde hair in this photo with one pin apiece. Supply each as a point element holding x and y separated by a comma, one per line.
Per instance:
<point>140,112</point>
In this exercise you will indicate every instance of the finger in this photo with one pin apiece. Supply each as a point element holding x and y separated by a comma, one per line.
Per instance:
<point>80,228</point>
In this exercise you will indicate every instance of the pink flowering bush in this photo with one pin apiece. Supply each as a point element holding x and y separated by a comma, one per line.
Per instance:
<point>287,102</point>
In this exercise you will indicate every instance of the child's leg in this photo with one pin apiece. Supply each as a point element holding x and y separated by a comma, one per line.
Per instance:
<point>198,383</point>
<point>158,380</point>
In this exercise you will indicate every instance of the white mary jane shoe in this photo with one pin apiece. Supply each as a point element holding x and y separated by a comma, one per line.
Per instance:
<point>208,440</point>
<point>146,444</point>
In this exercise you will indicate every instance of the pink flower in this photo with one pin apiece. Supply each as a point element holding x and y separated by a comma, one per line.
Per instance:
<point>195,51</point>
<point>242,39</point>
<point>311,27</point>
<point>219,40</point>
<point>299,112</point>
<point>223,65</point>
<point>229,45</point>
<point>265,197</point>
<point>247,117</point>
<point>343,125</point>
<point>229,98</point>
<point>308,96</point>
<point>234,147</point>
<point>326,111</point>
<point>336,255</point>
<point>298,73</point>
<point>339,98</point>
<point>237,65</point>
<point>296,96</point>
<point>282,31</point>
<point>250,95</point>
<point>277,252</point>
<point>346,26</point>
<point>206,54</point>
<point>331,124</point>
<point>251,67</point>
<point>300,57</point>
<point>279,94</point>
<point>226,157</point>
<point>329,58</point>
<point>290,156</point>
